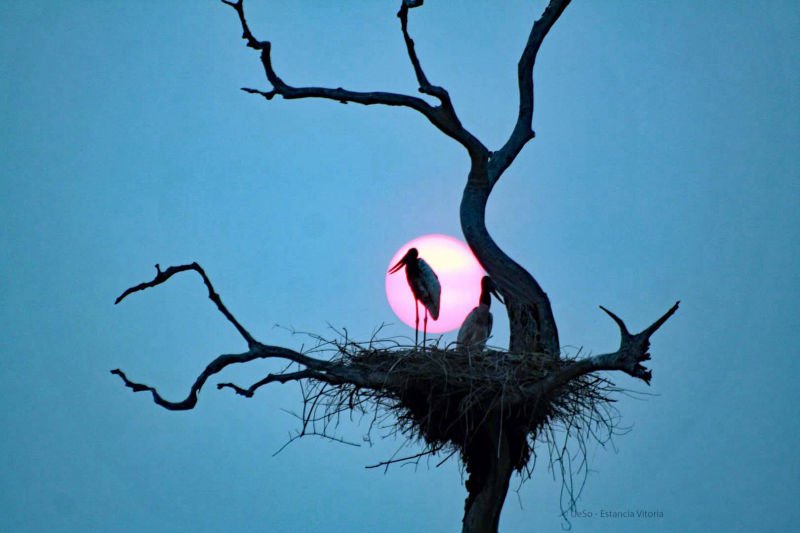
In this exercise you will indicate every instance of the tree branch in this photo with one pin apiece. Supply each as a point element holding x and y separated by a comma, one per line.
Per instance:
<point>443,117</point>
<point>323,371</point>
<point>191,399</point>
<point>523,131</point>
<point>633,350</point>
<point>315,368</point>
<point>413,459</point>
<point>272,378</point>
<point>425,86</point>
<point>161,277</point>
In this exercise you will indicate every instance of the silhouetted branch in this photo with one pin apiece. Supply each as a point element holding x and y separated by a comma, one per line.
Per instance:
<point>301,434</point>
<point>424,85</point>
<point>315,368</point>
<point>633,351</point>
<point>409,459</point>
<point>523,130</point>
<point>191,399</point>
<point>161,277</point>
<point>280,378</point>
<point>443,117</point>
<point>622,327</point>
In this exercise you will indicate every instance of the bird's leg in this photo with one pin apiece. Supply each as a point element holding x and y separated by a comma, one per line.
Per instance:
<point>425,329</point>
<point>416,328</point>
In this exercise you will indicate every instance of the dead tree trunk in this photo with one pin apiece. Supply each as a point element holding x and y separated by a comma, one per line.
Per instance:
<point>490,468</point>
<point>495,448</point>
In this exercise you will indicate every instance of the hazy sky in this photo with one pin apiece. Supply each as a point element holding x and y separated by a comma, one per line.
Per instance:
<point>664,168</point>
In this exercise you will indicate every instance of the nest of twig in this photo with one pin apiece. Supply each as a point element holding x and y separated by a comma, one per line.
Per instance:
<point>447,398</point>
<point>444,397</point>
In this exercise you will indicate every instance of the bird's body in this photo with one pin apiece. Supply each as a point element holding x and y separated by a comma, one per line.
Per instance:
<point>476,328</point>
<point>424,286</point>
<point>478,325</point>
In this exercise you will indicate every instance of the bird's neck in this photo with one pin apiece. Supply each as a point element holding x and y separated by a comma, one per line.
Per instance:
<point>486,299</point>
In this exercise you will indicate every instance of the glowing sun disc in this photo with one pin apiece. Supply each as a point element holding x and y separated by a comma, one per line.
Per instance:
<point>459,275</point>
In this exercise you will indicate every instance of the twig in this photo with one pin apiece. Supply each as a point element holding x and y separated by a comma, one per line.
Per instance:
<point>161,277</point>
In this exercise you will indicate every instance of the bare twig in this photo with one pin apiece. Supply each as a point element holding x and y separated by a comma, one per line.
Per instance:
<point>272,378</point>
<point>410,458</point>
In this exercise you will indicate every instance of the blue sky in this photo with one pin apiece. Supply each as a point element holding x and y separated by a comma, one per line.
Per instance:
<point>664,168</point>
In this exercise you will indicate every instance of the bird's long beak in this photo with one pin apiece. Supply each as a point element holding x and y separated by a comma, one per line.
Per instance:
<point>497,295</point>
<point>398,266</point>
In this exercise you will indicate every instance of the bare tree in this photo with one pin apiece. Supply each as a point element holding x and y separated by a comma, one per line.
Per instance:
<point>488,408</point>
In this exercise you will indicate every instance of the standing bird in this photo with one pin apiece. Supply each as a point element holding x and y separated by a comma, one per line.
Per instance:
<point>424,285</point>
<point>478,324</point>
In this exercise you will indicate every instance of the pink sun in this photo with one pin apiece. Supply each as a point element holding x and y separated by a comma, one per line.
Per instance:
<point>459,274</point>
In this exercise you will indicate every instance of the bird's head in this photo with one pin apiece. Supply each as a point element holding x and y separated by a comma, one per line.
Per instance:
<point>488,287</point>
<point>411,255</point>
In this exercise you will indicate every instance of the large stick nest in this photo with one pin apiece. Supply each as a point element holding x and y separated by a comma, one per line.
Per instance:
<point>446,398</point>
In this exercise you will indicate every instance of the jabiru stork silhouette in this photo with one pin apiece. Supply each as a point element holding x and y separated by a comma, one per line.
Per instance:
<point>424,285</point>
<point>478,325</point>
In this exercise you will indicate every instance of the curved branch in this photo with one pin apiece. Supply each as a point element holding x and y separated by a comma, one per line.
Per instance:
<point>340,95</point>
<point>425,86</point>
<point>449,117</point>
<point>191,399</point>
<point>272,378</point>
<point>315,368</point>
<point>161,277</point>
<point>523,131</point>
<point>318,369</point>
<point>443,117</point>
<point>622,327</point>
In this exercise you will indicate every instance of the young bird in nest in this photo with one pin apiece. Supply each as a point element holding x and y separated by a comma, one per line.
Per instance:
<point>478,325</point>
